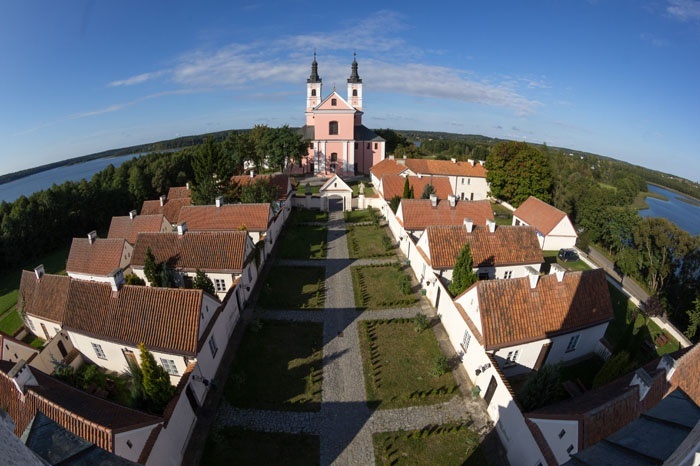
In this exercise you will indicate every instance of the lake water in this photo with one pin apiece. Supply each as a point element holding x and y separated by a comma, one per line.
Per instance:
<point>685,214</point>
<point>44,180</point>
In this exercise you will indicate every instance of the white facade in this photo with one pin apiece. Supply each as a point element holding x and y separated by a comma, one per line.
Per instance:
<point>563,235</point>
<point>137,438</point>
<point>42,328</point>
<point>561,435</point>
<point>469,188</point>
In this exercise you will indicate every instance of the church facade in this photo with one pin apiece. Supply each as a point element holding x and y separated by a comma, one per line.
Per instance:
<point>338,141</point>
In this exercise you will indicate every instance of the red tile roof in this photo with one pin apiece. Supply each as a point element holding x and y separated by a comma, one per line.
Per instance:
<point>507,245</point>
<point>101,257</point>
<point>207,251</point>
<point>387,167</point>
<point>171,208</point>
<point>539,214</point>
<point>179,192</point>
<point>128,228</point>
<point>279,181</point>
<point>446,168</point>
<point>253,217</point>
<point>164,319</point>
<point>418,214</point>
<point>89,417</point>
<point>512,312</point>
<point>45,298</point>
<point>687,374</point>
<point>392,185</point>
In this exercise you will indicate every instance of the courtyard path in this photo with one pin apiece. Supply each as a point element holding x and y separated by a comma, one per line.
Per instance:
<point>345,423</point>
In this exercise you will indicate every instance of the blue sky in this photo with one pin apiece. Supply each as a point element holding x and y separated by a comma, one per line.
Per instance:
<point>615,77</point>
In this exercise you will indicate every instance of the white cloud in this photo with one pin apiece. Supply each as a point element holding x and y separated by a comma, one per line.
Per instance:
<point>685,10</point>
<point>138,79</point>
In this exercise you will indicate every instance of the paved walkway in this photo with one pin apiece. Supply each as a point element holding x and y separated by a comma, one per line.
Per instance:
<point>346,423</point>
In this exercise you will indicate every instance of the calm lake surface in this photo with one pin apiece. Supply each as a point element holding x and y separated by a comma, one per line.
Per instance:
<point>26,186</point>
<point>685,214</point>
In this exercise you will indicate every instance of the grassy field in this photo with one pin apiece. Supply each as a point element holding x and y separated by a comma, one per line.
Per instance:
<point>10,323</point>
<point>502,215</point>
<point>401,365</point>
<point>294,288</point>
<point>9,281</point>
<point>304,242</point>
<point>278,367</point>
<point>359,216</point>
<point>382,286</point>
<point>448,445</point>
<point>300,216</point>
<point>232,445</point>
<point>550,257</point>
<point>365,241</point>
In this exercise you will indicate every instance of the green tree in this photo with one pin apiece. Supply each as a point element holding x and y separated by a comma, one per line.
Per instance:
<point>542,388</point>
<point>427,191</point>
<point>285,144</point>
<point>393,139</point>
<point>407,189</point>
<point>394,203</point>
<point>259,191</point>
<point>463,275</point>
<point>133,279</point>
<point>202,282</point>
<point>693,319</point>
<point>516,171</point>
<point>150,269</point>
<point>212,172</point>
<point>156,382</point>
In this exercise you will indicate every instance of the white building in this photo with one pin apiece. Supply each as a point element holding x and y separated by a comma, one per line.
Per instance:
<point>554,229</point>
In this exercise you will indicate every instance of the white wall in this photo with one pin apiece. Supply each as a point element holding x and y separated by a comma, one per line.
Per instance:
<point>527,357</point>
<point>90,278</point>
<point>137,437</point>
<point>33,323</point>
<point>551,428</point>
<point>173,438</point>
<point>587,344</point>
<point>469,185</point>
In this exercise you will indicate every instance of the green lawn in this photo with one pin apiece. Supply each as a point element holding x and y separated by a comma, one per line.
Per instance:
<point>362,215</point>
<point>502,215</point>
<point>10,323</point>
<point>447,445</point>
<point>54,262</point>
<point>550,257</point>
<point>233,445</point>
<point>382,286</point>
<point>293,288</point>
<point>304,242</point>
<point>301,190</point>
<point>300,216</point>
<point>278,366</point>
<point>365,241</point>
<point>400,365</point>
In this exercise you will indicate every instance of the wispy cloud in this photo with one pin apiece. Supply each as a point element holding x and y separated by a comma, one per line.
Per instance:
<point>386,60</point>
<point>654,40</point>
<point>684,10</point>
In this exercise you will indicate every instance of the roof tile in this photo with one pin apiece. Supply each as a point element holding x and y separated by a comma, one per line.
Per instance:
<point>539,214</point>
<point>418,214</point>
<point>171,208</point>
<point>101,257</point>
<point>128,228</point>
<point>179,192</point>
<point>45,298</point>
<point>253,217</point>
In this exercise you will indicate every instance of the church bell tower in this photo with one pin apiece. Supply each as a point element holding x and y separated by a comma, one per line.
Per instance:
<point>313,87</point>
<point>355,86</point>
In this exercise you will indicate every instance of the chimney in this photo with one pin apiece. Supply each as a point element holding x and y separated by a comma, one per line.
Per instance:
<point>643,380</point>
<point>471,162</point>
<point>116,280</point>
<point>453,200</point>
<point>187,185</point>
<point>482,162</point>
<point>92,236</point>
<point>219,201</point>
<point>21,376</point>
<point>533,275</point>
<point>469,225</point>
<point>182,228</point>
<point>391,157</point>
<point>668,364</point>
<point>252,174</point>
<point>401,161</point>
<point>491,225</point>
<point>420,176</point>
<point>132,214</point>
<point>433,200</point>
<point>558,270</point>
<point>162,200</point>
<point>454,160</point>
<point>39,271</point>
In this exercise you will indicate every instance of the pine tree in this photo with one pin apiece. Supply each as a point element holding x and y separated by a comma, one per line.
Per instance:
<point>202,282</point>
<point>150,269</point>
<point>406,189</point>
<point>463,276</point>
<point>156,382</point>
<point>427,191</point>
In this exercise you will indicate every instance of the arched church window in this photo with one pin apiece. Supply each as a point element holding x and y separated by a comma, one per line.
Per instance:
<point>334,102</point>
<point>313,92</point>
<point>354,92</point>
<point>333,127</point>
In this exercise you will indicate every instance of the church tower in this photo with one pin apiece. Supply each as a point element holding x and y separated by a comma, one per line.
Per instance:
<point>355,86</point>
<point>313,87</point>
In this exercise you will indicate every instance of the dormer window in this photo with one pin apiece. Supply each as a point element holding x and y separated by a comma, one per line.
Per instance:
<point>334,102</point>
<point>333,127</point>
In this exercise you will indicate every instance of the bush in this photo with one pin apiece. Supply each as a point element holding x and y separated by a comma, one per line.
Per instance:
<point>619,364</point>
<point>420,323</point>
<point>405,284</point>
<point>442,365</point>
<point>542,388</point>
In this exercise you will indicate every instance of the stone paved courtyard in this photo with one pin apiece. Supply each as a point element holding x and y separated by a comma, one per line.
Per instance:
<point>346,423</point>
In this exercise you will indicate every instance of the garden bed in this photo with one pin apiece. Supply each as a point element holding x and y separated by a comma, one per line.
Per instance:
<point>233,445</point>
<point>293,288</point>
<point>304,242</point>
<point>368,241</point>
<point>382,286</point>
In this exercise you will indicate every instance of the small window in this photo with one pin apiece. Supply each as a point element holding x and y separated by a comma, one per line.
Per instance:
<point>334,102</point>
<point>512,358</point>
<point>517,222</point>
<point>354,92</point>
<point>376,145</point>
<point>369,145</point>
<point>313,92</point>
<point>98,351</point>
<point>333,127</point>
<point>573,342</point>
<point>169,366</point>
<point>220,285</point>
<point>334,157</point>
<point>465,340</point>
<point>570,449</point>
<point>462,180</point>
<point>508,274</point>
<point>562,433</point>
<point>31,324</point>
<point>469,181</point>
<point>250,275</point>
<point>213,347</point>
<point>129,444</point>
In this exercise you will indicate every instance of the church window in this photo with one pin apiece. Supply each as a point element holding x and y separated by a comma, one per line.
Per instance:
<point>334,102</point>
<point>354,92</point>
<point>334,161</point>
<point>333,127</point>
<point>334,157</point>
<point>313,92</point>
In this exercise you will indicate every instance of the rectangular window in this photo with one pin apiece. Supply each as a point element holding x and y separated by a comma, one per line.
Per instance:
<point>512,357</point>
<point>469,181</point>
<point>562,433</point>
<point>31,324</point>
<point>465,340</point>
<point>462,180</point>
<point>98,351</point>
<point>570,449</point>
<point>220,285</point>
<point>213,347</point>
<point>376,145</point>
<point>356,145</point>
<point>508,274</point>
<point>169,366</point>
<point>573,342</point>
<point>369,145</point>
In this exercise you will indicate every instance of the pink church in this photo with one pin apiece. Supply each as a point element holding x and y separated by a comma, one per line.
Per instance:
<point>338,141</point>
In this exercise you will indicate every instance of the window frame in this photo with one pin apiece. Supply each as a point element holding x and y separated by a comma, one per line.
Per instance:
<point>99,352</point>
<point>573,343</point>
<point>169,366</point>
<point>220,285</point>
<point>213,346</point>
<point>333,128</point>
<point>512,358</point>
